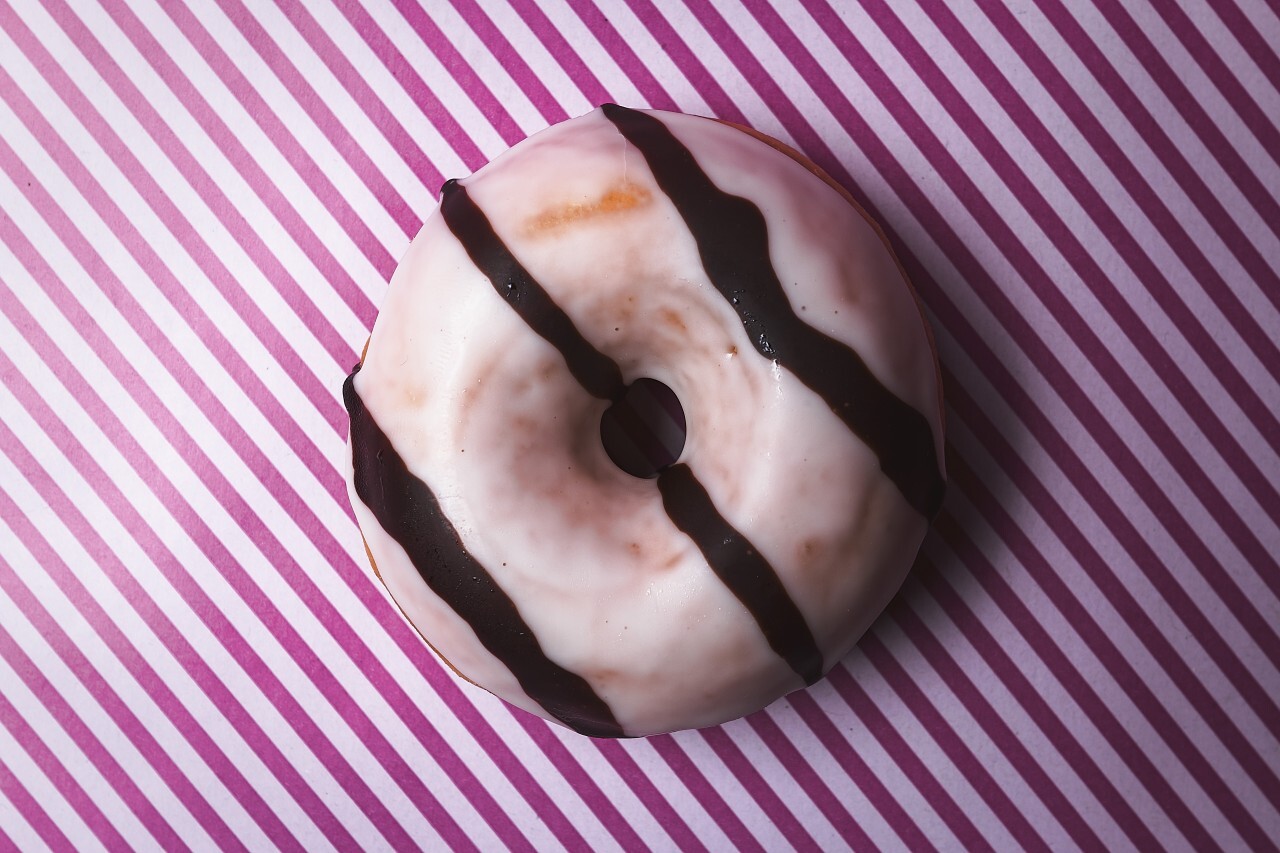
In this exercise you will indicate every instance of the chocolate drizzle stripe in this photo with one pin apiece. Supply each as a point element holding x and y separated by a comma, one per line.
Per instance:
<point>733,242</point>
<point>410,514</point>
<point>743,570</point>
<point>598,373</point>
<point>739,566</point>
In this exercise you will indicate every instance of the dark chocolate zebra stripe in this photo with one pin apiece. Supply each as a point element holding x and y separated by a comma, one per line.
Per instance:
<point>410,514</point>
<point>733,242</point>
<point>732,557</point>
<point>598,373</point>
<point>741,567</point>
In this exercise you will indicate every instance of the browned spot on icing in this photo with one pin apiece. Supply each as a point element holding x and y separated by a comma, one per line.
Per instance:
<point>619,198</point>
<point>808,551</point>
<point>875,226</point>
<point>672,319</point>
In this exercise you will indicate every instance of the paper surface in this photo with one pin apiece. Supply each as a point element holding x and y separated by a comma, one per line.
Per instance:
<point>200,207</point>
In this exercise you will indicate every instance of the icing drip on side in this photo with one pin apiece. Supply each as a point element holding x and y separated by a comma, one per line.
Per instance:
<point>733,243</point>
<point>410,514</point>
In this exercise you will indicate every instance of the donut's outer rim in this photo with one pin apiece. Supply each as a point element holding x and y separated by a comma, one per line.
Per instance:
<point>821,173</point>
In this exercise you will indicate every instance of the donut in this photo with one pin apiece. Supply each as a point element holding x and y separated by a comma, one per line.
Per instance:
<point>748,297</point>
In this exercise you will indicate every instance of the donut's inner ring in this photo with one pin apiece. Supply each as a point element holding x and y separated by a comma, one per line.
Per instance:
<point>644,431</point>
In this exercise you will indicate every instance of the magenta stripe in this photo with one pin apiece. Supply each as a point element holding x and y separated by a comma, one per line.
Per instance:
<point>671,822</point>
<point>245,307</point>
<point>402,70</point>
<point>174,640</point>
<point>55,770</point>
<point>787,754</point>
<point>314,106</point>
<point>685,60</point>
<point>1012,676</point>
<point>949,741</point>
<point>1157,427</point>
<point>1111,586</point>
<point>1029,262</point>
<point>31,809</point>
<point>692,777</point>
<point>539,731</point>
<point>995,728</point>
<point>490,741</point>
<point>602,807</point>
<point>614,44</point>
<point>1242,28</point>
<point>909,762</point>
<point>391,200</point>
<point>231,148</point>
<point>208,189</point>
<point>1187,104</point>
<point>578,72</point>
<point>498,818</point>
<point>442,48</point>
<point>159,623</point>
<point>1250,546</point>
<point>152,685</point>
<point>1213,283</point>
<point>848,759</point>
<point>1082,407</point>
<point>309,101</point>
<point>1172,156</point>
<point>765,797</point>
<point>224,422</point>
<point>1094,637</point>
<point>213,547</point>
<point>79,733</point>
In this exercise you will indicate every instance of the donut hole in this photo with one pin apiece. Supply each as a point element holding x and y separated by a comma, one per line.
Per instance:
<point>644,431</point>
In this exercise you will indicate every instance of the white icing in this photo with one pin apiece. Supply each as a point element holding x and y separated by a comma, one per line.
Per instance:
<point>486,413</point>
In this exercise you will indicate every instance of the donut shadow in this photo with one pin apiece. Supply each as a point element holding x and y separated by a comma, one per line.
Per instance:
<point>961,564</point>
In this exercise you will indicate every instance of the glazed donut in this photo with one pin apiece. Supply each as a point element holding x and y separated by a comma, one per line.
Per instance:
<point>630,245</point>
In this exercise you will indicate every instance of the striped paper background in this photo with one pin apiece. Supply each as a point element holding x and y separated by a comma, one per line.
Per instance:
<point>200,206</point>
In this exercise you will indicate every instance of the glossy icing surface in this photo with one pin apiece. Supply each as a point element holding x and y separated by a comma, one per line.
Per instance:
<point>567,268</point>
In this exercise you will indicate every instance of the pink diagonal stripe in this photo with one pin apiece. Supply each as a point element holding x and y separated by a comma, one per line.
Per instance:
<point>1084,406</point>
<point>1038,779</point>
<point>158,621</point>
<point>310,101</point>
<point>155,688</point>
<point>30,808</point>
<point>222,420</point>
<point>765,797</point>
<point>231,148</point>
<point>945,735</point>
<point>87,742</point>
<point>53,767</point>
